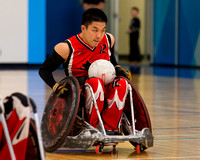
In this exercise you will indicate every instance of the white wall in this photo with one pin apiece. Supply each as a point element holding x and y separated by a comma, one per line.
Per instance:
<point>13,31</point>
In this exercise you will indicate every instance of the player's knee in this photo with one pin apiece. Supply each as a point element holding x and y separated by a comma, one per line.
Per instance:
<point>94,81</point>
<point>119,82</point>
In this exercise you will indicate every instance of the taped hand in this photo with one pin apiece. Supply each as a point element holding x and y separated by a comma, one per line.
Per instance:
<point>122,72</point>
<point>60,90</point>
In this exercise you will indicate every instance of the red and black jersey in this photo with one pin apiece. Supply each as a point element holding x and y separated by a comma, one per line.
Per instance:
<point>82,55</point>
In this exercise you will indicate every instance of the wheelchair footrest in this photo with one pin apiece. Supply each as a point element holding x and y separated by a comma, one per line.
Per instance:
<point>90,137</point>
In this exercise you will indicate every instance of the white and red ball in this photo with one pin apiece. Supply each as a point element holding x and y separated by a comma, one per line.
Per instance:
<point>103,69</point>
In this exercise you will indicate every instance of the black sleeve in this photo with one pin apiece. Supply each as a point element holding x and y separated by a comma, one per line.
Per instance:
<point>112,57</point>
<point>52,62</point>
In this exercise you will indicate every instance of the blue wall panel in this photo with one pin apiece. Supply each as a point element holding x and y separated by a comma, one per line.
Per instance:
<point>189,53</point>
<point>36,31</point>
<point>164,18</point>
<point>188,32</point>
<point>51,22</point>
<point>63,21</point>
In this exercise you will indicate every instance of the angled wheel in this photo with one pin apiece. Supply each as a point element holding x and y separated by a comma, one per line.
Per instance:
<point>59,115</point>
<point>142,119</point>
<point>32,151</point>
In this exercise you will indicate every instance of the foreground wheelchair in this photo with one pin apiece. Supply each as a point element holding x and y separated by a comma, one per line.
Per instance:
<point>20,136</point>
<point>63,124</point>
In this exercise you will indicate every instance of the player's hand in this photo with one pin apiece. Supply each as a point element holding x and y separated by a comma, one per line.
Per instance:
<point>122,72</point>
<point>60,90</point>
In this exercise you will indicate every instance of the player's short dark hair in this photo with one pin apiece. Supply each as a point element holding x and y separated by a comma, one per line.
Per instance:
<point>93,14</point>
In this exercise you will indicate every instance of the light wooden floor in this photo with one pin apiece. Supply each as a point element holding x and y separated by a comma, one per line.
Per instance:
<point>171,95</point>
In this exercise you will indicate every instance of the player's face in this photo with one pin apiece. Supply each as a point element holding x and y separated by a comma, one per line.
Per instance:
<point>94,33</point>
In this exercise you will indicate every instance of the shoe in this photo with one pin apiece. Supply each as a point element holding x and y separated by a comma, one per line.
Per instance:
<point>114,132</point>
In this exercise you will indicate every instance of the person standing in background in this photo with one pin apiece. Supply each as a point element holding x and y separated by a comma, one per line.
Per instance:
<point>87,4</point>
<point>133,32</point>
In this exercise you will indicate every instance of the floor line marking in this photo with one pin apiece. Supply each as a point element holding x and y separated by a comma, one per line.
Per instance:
<point>177,139</point>
<point>173,135</point>
<point>176,128</point>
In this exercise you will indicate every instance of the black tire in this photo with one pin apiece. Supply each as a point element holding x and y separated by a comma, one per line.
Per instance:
<point>33,151</point>
<point>140,113</point>
<point>59,115</point>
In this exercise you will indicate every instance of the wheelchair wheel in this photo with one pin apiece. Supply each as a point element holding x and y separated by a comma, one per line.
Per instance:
<point>59,115</point>
<point>142,119</point>
<point>32,152</point>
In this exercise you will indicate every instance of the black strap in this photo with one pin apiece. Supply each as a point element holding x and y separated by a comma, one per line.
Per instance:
<point>112,57</point>
<point>65,65</point>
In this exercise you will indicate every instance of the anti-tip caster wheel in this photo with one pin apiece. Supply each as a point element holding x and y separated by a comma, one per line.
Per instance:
<point>99,149</point>
<point>138,149</point>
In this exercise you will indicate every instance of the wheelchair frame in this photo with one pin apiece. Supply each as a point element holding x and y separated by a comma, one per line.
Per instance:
<point>89,136</point>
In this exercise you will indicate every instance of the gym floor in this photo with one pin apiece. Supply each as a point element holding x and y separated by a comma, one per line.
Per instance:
<point>172,97</point>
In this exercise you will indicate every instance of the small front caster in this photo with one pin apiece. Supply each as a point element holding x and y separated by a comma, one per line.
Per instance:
<point>99,149</point>
<point>138,149</point>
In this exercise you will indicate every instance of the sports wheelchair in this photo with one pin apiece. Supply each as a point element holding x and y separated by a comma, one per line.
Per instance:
<point>63,124</point>
<point>20,136</point>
